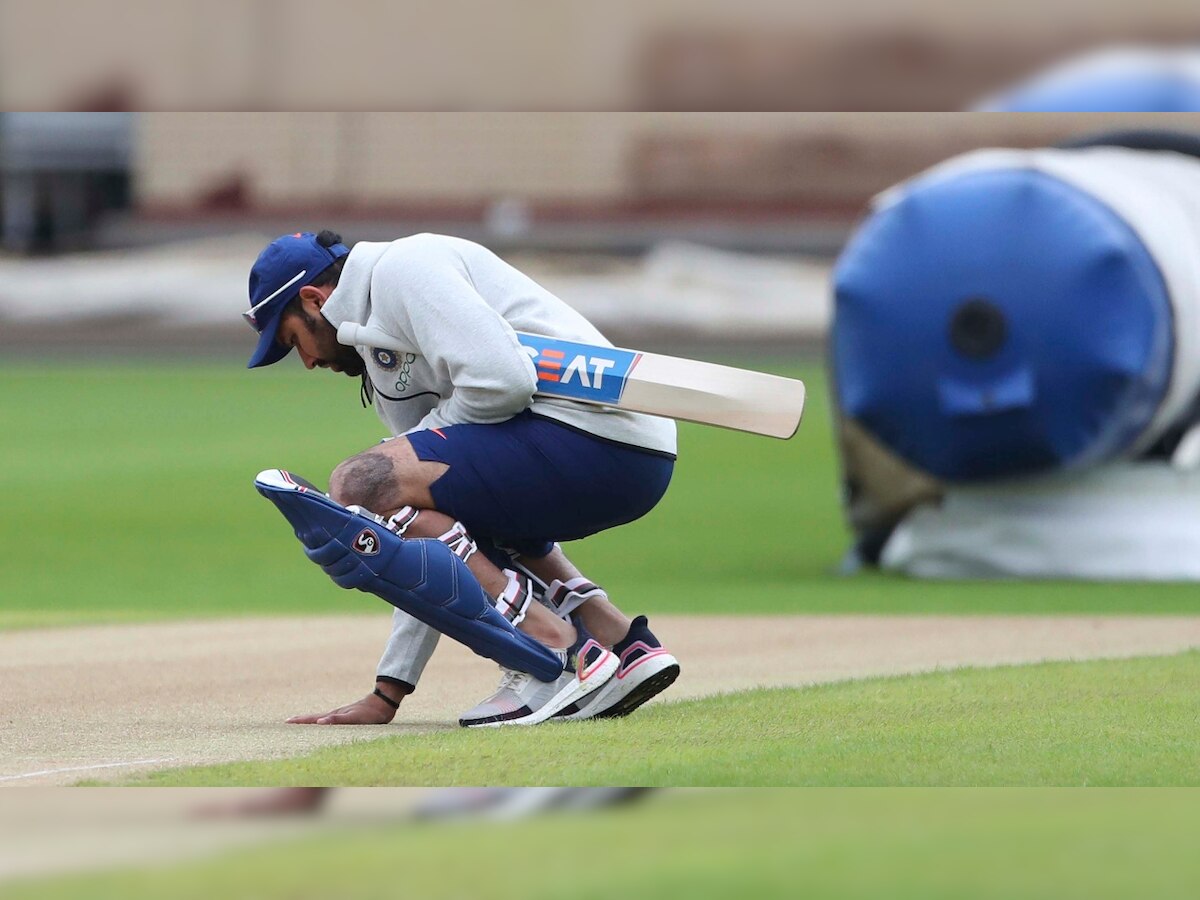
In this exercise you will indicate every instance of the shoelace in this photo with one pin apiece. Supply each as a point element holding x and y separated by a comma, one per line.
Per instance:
<point>514,680</point>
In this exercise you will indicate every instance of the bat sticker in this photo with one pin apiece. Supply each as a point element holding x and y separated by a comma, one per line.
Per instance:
<point>579,371</point>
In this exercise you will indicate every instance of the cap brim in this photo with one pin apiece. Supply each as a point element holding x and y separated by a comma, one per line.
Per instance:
<point>268,351</point>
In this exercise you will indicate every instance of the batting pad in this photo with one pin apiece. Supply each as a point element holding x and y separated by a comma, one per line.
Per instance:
<point>423,577</point>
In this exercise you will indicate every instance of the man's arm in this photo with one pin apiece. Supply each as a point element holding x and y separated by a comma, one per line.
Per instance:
<point>651,383</point>
<point>408,650</point>
<point>424,295</point>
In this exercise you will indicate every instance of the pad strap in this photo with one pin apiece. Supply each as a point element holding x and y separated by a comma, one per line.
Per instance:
<point>459,541</point>
<point>564,597</point>
<point>514,600</point>
<point>399,521</point>
<point>456,538</point>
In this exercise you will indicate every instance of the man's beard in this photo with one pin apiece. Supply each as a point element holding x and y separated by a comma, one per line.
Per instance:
<point>346,358</point>
<point>352,364</point>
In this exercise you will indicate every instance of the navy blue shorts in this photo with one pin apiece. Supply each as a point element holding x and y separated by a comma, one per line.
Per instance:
<point>531,481</point>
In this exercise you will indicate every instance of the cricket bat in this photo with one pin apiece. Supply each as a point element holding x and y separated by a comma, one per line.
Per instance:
<point>687,389</point>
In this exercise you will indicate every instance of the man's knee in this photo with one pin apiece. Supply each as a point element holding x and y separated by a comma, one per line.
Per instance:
<point>369,480</point>
<point>385,477</point>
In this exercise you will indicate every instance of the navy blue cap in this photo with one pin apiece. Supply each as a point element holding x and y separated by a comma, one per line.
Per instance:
<point>287,264</point>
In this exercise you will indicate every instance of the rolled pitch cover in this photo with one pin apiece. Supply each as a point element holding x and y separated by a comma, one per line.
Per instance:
<point>1132,79</point>
<point>1019,312</point>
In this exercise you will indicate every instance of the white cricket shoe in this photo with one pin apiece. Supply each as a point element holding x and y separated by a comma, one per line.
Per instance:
<point>523,700</point>
<point>645,670</point>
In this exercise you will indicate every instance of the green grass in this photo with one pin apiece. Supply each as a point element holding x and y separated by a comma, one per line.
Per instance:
<point>1110,722</point>
<point>127,492</point>
<point>906,845</point>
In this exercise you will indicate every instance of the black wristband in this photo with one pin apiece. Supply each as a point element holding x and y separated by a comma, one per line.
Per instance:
<point>394,704</point>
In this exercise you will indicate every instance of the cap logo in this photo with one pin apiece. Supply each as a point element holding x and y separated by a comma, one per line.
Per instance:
<point>367,542</point>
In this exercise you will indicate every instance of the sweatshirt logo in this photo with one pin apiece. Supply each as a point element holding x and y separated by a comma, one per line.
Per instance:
<point>385,359</point>
<point>400,363</point>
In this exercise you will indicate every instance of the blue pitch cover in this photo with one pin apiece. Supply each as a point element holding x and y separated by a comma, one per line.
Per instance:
<point>422,577</point>
<point>997,323</point>
<point>1125,89</point>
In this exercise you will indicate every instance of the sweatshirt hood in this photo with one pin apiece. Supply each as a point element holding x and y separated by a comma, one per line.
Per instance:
<point>351,299</point>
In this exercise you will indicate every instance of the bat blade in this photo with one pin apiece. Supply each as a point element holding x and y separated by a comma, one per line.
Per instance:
<point>652,383</point>
<point>712,394</point>
<point>670,386</point>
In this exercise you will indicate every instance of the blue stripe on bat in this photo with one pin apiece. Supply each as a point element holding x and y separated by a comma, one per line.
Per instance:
<point>579,371</point>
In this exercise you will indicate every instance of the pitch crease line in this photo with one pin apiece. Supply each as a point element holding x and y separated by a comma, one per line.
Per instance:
<point>117,765</point>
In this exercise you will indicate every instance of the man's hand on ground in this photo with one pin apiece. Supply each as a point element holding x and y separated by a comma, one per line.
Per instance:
<point>370,710</point>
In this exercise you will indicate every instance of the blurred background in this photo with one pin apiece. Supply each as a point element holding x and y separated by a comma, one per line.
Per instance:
<point>626,55</point>
<point>125,242</point>
<point>703,233</point>
<point>710,226</point>
<point>369,843</point>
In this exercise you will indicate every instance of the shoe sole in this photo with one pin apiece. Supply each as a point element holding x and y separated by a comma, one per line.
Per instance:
<point>574,691</point>
<point>665,670</point>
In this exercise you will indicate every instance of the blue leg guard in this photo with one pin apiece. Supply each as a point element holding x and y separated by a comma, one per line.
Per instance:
<point>423,577</point>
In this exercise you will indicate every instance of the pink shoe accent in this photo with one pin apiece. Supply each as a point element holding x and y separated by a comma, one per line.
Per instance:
<point>651,652</point>
<point>600,660</point>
